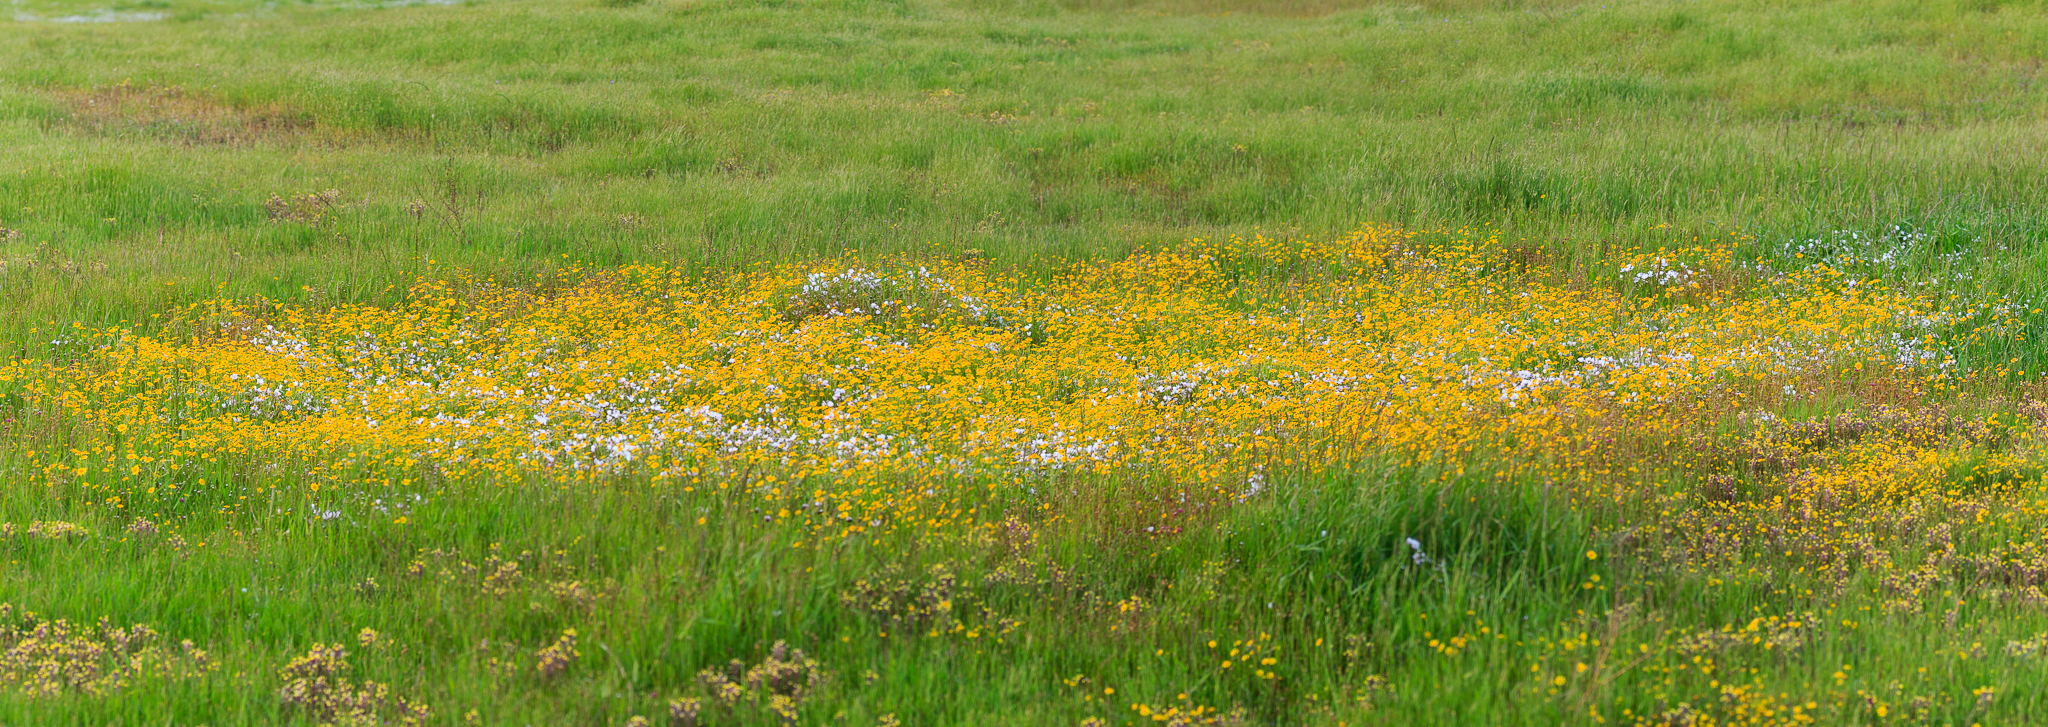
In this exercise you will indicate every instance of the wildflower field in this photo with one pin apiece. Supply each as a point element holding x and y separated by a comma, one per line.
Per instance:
<point>907,362</point>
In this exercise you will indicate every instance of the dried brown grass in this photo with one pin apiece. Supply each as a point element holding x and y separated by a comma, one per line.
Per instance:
<point>178,114</point>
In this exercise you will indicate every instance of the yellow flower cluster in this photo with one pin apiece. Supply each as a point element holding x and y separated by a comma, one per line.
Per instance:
<point>779,684</point>
<point>1184,713</point>
<point>44,530</point>
<point>1258,655</point>
<point>1739,704</point>
<point>317,683</point>
<point>1891,492</point>
<point>863,398</point>
<point>43,657</point>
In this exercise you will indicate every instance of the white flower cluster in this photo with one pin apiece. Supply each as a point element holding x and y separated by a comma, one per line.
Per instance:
<point>1662,272</point>
<point>857,291</point>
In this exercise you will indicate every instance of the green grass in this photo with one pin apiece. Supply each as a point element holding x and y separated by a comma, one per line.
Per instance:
<point>717,132</point>
<point>517,137</point>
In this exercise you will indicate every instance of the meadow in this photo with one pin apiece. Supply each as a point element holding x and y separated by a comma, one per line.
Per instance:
<point>1007,362</point>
